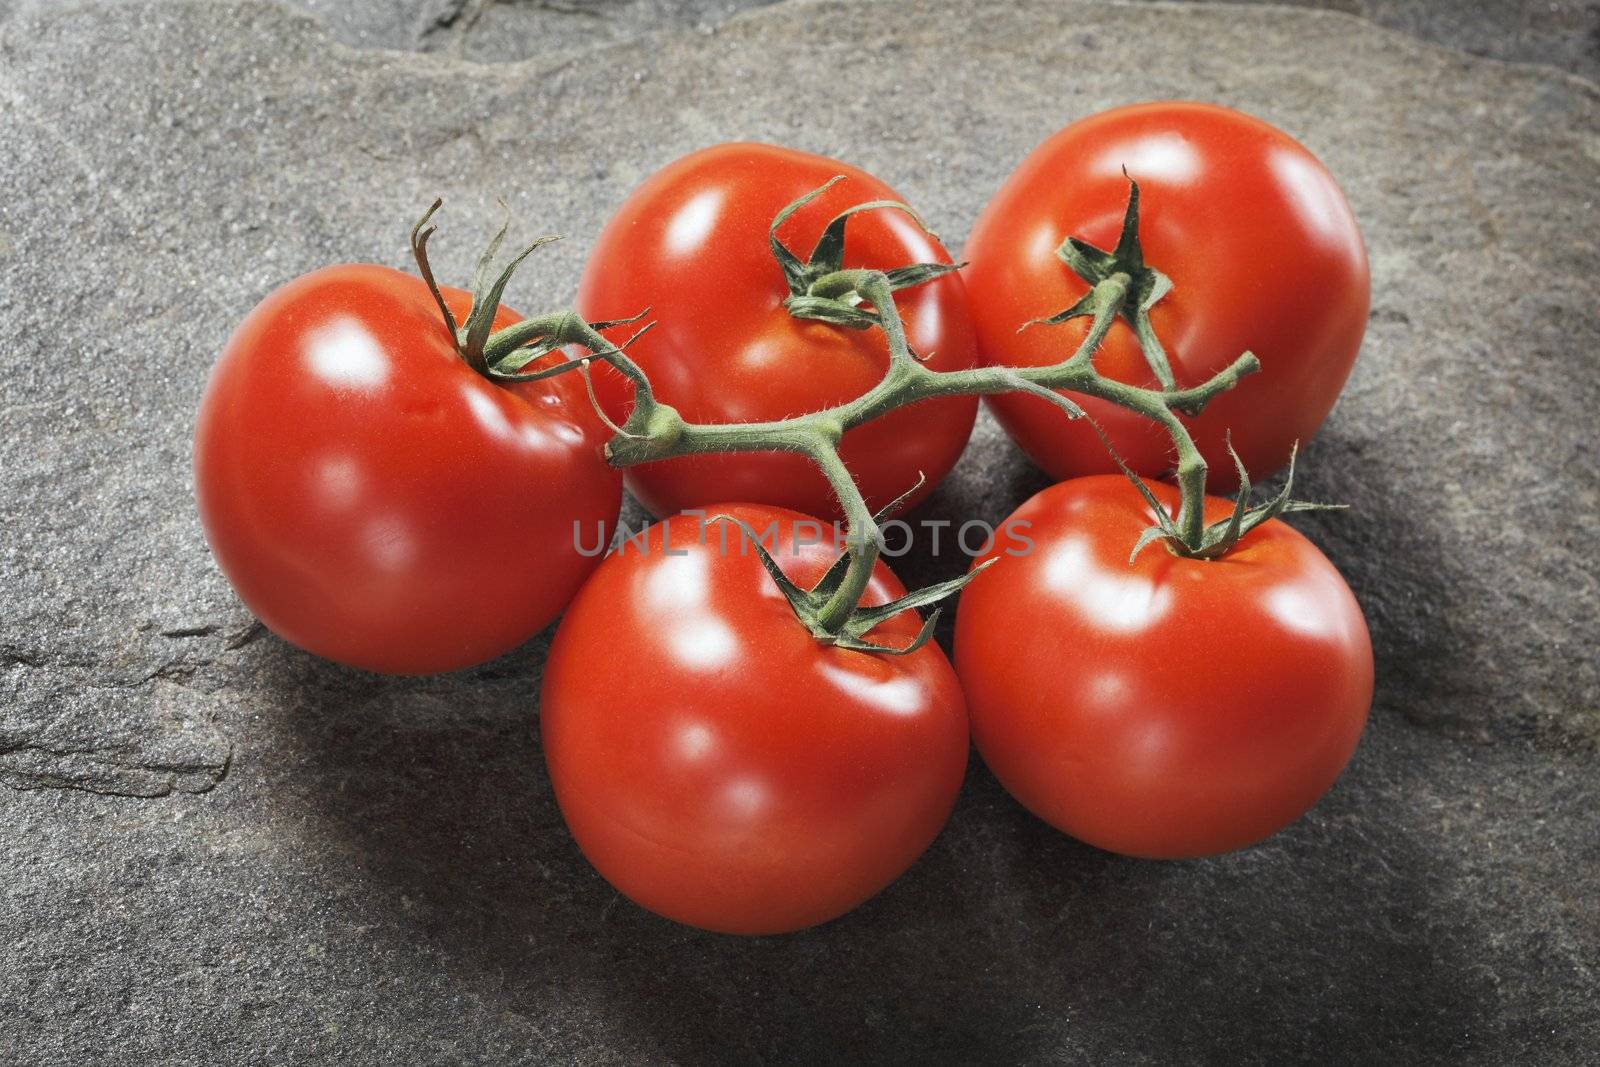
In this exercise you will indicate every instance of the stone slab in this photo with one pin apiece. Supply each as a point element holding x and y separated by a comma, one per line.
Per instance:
<point>217,847</point>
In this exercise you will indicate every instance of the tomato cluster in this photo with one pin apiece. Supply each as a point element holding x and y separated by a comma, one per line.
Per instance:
<point>382,494</point>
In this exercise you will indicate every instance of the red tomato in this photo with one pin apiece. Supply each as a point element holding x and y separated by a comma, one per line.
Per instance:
<point>373,499</point>
<point>1264,256</point>
<point>691,244</point>
<point>1171,708</point>
<point>719,765</point>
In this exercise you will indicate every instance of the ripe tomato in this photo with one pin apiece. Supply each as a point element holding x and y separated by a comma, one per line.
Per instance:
<point>1171,708</point>
<point>716,762</point>
<point>376,501</point>
<point>691,244</point>
<point>1260,245</point>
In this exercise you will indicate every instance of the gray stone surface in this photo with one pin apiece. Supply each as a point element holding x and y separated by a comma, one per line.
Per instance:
<point>486,31</point>
<point>216,849</point>
<point>1563,33</point>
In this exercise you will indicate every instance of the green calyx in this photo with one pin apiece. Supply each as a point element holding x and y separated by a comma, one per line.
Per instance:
<point>852,632</point>
<point>1218,537</point>
<point>504,355</point>
<point>820,288</point>
<point>1146,285</point>
<point>473,336</point>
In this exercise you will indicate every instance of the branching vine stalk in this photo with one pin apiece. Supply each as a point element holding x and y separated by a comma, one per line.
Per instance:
<point>1121,286</point>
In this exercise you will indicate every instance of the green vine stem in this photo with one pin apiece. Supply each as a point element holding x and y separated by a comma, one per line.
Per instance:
<point>907,382</point>
<point>1121,286</point>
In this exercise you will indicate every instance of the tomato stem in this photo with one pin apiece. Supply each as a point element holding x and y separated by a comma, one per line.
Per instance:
<point>908,381</point>
<point>1121,286</point>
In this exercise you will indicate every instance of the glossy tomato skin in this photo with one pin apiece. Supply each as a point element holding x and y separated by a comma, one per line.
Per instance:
<point>716,763</point>
<point>1168,709</point>
<point>1263,252</point>
<point>691,244</point>
<point>375,501</point>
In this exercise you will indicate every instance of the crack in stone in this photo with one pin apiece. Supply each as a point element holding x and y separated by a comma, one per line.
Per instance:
<point>196,630</point>
<point>93,772</point>
<point>11,656</point>
<point>130,766</point>
<point>249,634</point>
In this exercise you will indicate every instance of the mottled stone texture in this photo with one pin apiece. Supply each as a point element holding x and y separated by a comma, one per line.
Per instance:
<point>1564,33</point>
<point>216,849</point>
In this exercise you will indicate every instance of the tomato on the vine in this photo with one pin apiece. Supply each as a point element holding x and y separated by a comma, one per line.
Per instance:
<point>375,500</point>
<point>1263,253</point>
<point>691,244</point>
<point>1172,708</point>
<point>716,762</point>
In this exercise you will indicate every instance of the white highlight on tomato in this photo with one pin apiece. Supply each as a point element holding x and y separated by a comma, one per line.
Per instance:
<point>744,798</point>
<point>695,742</point>
<point>1109,687</point>
<point>486,411</point>
<point>342,353</point>
<point>675,583</point>
<point>675,587</point>
<point>1168,157</point>
<point>1041,243</point>
<point>339,482</point>
<point>1297,609</point>
<point>1125,602</point>
<point>704,643</point>
<point>1315,197</point>
<point>693,221</point>
<point>390,543</point>
<point>895,694</point>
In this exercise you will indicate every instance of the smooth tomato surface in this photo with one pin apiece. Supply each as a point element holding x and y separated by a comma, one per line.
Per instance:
<point>720,766</point>
<point>691,244</point>
<point>1167,709</point>
<point>374,500</point>
<point>1263,252</point>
